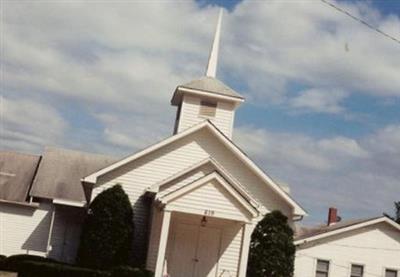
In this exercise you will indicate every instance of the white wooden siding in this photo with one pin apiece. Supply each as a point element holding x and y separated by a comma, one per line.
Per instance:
<point>190,110</point>
<point>154,240</point>
<point>24,230</point>
<point>184,180</point>
<point>210,197</point>
<point>230,250</point>
<point>376,247</point>
<point>249,181</point>
<point>161,164</point>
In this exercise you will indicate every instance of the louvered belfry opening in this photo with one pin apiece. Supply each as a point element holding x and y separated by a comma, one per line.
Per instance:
<point>208,109</point>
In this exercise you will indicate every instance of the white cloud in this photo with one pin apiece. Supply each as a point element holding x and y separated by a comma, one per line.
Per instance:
<point>28,124</point>
<point>321,101</point>
<point>360,177</point>
<point>121,62</point>
<point>312,44</point>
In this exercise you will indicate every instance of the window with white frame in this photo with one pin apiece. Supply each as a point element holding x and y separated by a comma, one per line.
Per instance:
<point>357,270</point>
<point>208,109</point>
<point>390,273</point>
<point>322,268</point>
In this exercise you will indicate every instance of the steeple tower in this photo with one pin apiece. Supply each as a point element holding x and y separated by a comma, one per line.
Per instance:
<point>213,59</point>
<point>207,98</point>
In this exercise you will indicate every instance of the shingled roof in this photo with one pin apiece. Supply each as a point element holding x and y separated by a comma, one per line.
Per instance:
<point>308,234</point>
<point>208,85</point>
<point>60,173</point>
<point>17,171</point>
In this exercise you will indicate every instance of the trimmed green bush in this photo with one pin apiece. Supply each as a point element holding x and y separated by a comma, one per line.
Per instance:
<point>127,271</point>
<point>13,263</point>
<point>35,266</point>
<point>107,232</point>
<point>43,269</point>
<point>271,249</point>
<point>2,259</point>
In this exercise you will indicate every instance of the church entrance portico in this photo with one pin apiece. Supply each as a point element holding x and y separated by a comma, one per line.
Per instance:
<point>201,229</point>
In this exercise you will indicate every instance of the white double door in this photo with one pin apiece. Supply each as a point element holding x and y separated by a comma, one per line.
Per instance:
<point>195,251</point>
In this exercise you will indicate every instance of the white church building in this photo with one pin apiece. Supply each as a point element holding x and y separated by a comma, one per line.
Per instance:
<point>196,195</point>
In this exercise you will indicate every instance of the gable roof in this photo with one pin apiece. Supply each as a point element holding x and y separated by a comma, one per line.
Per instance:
<point>297,209</point>
<point>165,199</point>
<point>218,168</point>
<point>325,231</point>
<point>61,170</point>
<point>17,172</point>
<point>206,84</point>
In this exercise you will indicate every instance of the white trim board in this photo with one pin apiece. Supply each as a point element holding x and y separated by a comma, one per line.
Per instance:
<point>356,226</point>
<point>218,168</point>
<point>165,199</point>
<point>297,209</point>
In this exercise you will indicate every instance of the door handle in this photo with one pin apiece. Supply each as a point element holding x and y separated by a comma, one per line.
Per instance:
<point>195,260</point>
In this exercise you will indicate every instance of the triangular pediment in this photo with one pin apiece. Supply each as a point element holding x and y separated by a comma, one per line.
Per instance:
<point>197,171</point>
<point>222,199</point>
<point>189,147</point>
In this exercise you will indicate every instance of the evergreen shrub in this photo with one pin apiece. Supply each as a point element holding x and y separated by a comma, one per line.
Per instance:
<point>107,232</point>
<point>272,250</point>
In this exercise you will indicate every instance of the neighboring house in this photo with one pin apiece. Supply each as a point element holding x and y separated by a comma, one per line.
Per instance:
<point>355,248</point>
<point>42,201</point>
<point>196,195</point>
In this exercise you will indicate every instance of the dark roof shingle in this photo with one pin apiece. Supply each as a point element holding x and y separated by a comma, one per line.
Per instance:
<point>60,173</point>
<point>305,233</point>
<point>208,85</point>
<point>17,171</point>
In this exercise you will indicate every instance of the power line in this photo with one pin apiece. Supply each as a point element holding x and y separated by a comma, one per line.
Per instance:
<point>361,21</point>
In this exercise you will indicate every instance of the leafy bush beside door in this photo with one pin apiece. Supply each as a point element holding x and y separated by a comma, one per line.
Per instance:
<point>107,232</point>
<point>272,250</point>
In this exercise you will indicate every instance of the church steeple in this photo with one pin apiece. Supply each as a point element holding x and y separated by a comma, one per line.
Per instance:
<point>207,98</point>
<point>213,59</point>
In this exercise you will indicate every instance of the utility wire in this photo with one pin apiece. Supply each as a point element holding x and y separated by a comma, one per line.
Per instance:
<point>361,21</point>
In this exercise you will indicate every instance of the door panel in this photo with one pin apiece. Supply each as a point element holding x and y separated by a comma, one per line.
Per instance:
<point>207,252</point>
<point>181,262</point>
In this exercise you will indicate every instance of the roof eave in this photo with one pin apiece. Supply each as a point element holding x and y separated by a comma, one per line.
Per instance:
<point>25,204</point>
<point>297,209</point>
<point>346,229</point>
<point>177,97</point>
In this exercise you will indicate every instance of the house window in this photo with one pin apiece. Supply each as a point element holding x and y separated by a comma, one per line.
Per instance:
<point>357,270</point>
<point>322,268</point>
<point>390,273</point>
<point>208,109</point>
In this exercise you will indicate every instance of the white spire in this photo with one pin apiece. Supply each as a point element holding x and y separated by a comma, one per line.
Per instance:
<point>213,59</point>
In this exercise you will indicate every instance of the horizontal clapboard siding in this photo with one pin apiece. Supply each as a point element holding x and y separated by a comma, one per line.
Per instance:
<point>184,180</point>
<point>211,197</point>
<point>191,114</point>
<point>24,230</point>
<point>376,247</point>
<point>143,173</point>
<point>154,240</point>
<point>230,251</point>
<point>161,164</point>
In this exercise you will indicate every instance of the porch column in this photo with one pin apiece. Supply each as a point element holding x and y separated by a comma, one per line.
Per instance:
<point>244,253</point>
<point>162,244</point>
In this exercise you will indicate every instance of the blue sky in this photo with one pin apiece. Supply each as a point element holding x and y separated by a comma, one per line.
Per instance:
<point>322,109</point>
